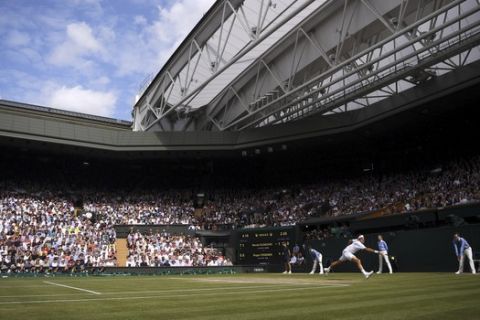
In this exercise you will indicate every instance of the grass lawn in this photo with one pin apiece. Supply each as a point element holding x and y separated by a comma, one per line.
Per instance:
<point>243,296</point>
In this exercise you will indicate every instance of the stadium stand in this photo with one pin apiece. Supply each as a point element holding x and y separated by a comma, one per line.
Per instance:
<point>40,222</point>
<point>164,249</point>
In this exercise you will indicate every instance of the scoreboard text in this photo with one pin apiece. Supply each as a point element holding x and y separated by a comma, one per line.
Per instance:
<point>263,247</point>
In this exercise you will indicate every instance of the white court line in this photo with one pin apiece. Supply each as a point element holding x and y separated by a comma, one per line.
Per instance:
<point>177,290</point>
<point>43,295</point>
<point>31,286</point>
<point>225,288</point>
<point>155,291</point>
<point>74,288</point>
<point>239,281</point>
<point>168,296</point>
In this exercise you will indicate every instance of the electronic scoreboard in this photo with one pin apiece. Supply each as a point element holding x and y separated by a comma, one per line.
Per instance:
<point>263,246</point>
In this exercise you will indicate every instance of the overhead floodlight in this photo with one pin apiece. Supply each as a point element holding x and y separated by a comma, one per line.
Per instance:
<point>421,76</point>
<point>430,37</point>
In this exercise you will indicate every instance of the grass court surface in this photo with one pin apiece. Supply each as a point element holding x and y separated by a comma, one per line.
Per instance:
<point>243,296</point>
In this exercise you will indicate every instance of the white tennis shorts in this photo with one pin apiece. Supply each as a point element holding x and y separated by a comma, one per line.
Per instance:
<point>347,256</point>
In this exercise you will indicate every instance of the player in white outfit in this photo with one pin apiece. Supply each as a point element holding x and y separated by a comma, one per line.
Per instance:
<point>383,254</point>
<point>317,260</point>
<point>348,254</point>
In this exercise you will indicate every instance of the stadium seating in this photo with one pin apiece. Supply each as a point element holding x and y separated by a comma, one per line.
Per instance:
<point>44,221</point>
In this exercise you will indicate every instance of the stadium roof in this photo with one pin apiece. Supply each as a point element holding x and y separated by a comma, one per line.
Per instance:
<point>226,41</point>
<point>257,63</point>
<point>65,114</point>
<point>27,126</point>
<point>237,38</point>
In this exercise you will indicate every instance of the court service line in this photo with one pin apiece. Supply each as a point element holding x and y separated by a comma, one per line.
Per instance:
<point>279,286</point>
<point>43,295</point>
<point>30,286</point>
<point>70,287</point>
<point>155,291</point>
<point>167,296</point>
<point>229,288</point>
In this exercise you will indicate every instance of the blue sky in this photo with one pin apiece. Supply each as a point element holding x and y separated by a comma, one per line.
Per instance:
<point>89,56</point>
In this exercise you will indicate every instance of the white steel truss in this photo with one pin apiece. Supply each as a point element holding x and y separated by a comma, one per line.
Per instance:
<point>336,57</point>
<point>211,56</point>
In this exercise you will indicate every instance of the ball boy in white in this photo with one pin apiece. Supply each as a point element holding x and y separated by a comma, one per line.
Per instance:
<point>317,260</point>
<point>462,250</point>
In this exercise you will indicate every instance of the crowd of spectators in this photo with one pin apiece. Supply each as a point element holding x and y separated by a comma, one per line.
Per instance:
<point>143,208</point>
<point>325,232</point>
<point>455,183</point>
<point>168,250</point>
<point>41,229</point>
<point>41,233</point>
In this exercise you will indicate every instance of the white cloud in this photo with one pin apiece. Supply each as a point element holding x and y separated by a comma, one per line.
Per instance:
<point>32,55</point>
<point>78,99</point>
<point>16,38</point>
<point>92,8</point>
<point>177,21</point>
<point>81,35</point>
<point>102,81</point>
<point>87,56</point>
<point>155,42</point>
<point>106,34</point>
<point>77,2</point>
<point>56,94</point>
<point>78,49</point>
<point>140,20</point>
<point>23,55</point>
